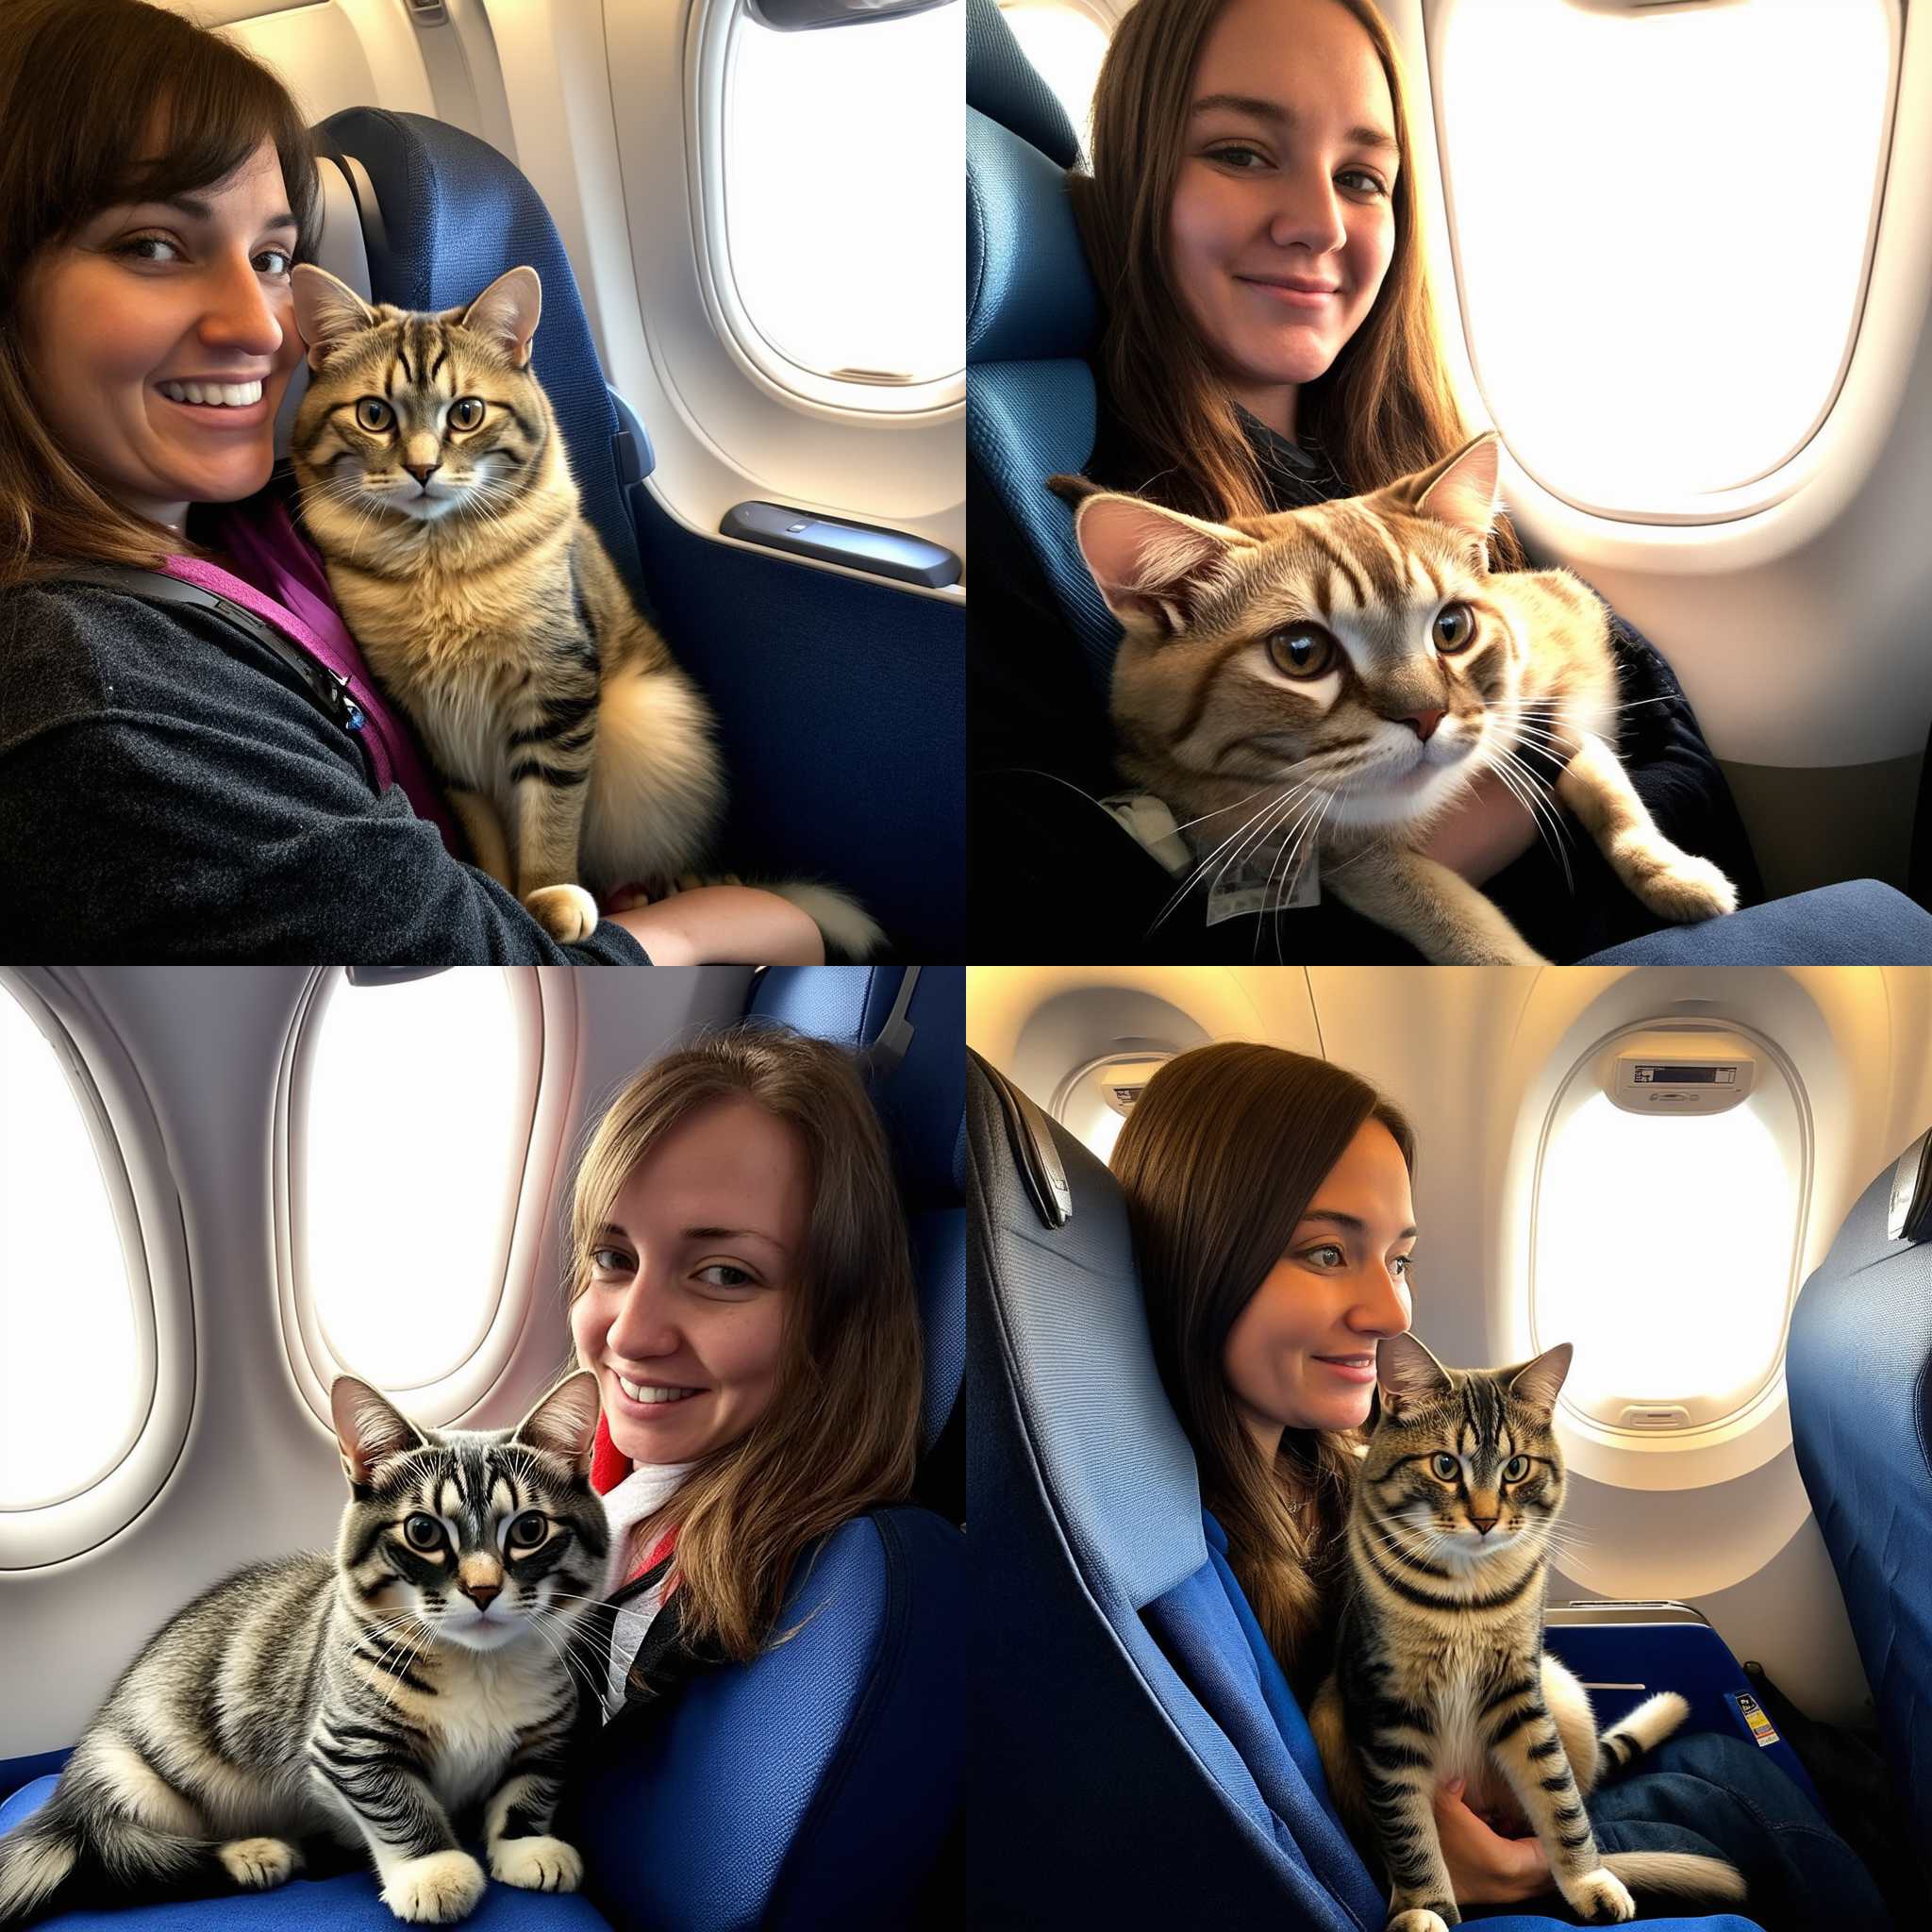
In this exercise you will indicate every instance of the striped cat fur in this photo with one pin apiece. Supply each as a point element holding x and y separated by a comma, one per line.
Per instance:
<point>372,1697</point>
<point>435,483</point>
<point>1334,679</point>
<point>1440,1667</point>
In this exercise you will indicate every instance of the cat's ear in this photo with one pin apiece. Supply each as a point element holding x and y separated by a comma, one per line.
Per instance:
<point>1409,1375</point>
<point>327,312</point>
<point>1460,491</point>
<point>505,313</point>
<point>1536,1384</point>
<point>564,1423</point>
<point>370,1429</point>
<point>1155,567</point>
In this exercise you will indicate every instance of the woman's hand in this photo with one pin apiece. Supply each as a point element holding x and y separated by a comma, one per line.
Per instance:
<point>724,923</point>
<point>1485,1870</point>
<point>1481,834</point>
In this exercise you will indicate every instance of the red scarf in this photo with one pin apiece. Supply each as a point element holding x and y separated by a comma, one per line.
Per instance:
<point>609,1465</point>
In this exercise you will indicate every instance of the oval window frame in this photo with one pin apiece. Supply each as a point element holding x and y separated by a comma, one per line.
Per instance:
<point>544,1010</point>
<point>127,1135</point>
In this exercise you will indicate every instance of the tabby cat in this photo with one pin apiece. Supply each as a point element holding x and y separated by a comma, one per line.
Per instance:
<point>435,483</point>
<point>1355,667</point>
<point>1440,1667</point>
<point>367,1697</point>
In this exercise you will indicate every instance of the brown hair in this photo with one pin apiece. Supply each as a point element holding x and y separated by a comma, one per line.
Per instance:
<point>841,1433</point>
<point>1383,409</point>
<point>69,71</point>
<point>1219,1161</point>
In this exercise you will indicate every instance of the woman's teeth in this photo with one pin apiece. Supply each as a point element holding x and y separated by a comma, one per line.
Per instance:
<point>646,1391</point>
<point>231,395</point>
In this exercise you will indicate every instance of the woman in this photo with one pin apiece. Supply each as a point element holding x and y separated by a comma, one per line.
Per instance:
<point>169,788</point>
<point>742,1286</point>
<point>1269,1194</point>
<point>1269,343</point>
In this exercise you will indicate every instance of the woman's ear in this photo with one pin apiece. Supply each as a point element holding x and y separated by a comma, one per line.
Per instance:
<point>370,1429</point>
<point>327,312</point>
<point>1408,1376</point>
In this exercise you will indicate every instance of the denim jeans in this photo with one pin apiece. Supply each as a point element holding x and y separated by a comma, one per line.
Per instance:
<point>1705,1792</point>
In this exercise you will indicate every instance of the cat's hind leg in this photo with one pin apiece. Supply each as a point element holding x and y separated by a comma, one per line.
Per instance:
<point>1674,883</point>
<point>549,813</point>
<point>488,848</point>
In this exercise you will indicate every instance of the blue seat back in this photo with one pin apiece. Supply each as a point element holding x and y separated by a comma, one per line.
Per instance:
<point>1032,317</point>
<point>1859,1369</point>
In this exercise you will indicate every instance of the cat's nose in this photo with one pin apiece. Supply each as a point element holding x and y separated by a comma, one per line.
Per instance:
<point>423,472</point>
<point>1484,1524</point>
<point>484,1594</point>
<point>1424,722</point>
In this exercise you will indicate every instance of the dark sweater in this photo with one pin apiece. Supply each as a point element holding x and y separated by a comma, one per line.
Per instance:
<point>1054,877</point>
<point>169,792</point>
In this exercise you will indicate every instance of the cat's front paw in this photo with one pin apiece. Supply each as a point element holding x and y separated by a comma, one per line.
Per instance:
<point>1418,1919</point>
<point>259,1862</point>
<point>537,1864</point>
<point>1676,884</point>
<point>1600,1897</point>
<point>435,1891</point>
<point>567,913</point>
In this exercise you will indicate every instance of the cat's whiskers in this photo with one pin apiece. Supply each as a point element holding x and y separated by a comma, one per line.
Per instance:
<point>1527,790</point>
<point>1199,871</point>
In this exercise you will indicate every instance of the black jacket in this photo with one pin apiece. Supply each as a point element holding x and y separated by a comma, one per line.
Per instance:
<point>1053,878</point>
<point>168,791</point>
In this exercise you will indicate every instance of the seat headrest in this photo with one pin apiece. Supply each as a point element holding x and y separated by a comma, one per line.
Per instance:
<point>339,249</point>
<point>1001,82</point>
<point>448,215</point>
<point>1119,1473</point>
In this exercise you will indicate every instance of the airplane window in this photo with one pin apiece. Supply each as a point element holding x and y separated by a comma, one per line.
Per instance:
<point>73,1341</point>
<point>1660,282</point>
<point>844,224</point>
<point>1065,45</point>
<point>1665,1250</point>
<point>402,1221</point>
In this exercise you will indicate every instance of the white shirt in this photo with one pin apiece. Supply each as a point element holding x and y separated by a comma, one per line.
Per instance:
<point>644,1491</point>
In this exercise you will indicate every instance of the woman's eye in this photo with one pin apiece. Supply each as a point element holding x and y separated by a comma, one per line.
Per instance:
<point>723,1274</point>
<point>1446,1467</point>
<point>1370,183</point>
<point>1402,1264</point>
<point>1454,627</point>
<point>466,412</point>
<point>1327,1255</point>
<point>1237,157</point>
<point>1516,1469</point>
<point>372,413</point>
<point>422,1532</point>
<point>609,1261</point>
<point>280,255</point>
<point>529,1530</point>
<point>1301,650</point>
<point>135,243</point>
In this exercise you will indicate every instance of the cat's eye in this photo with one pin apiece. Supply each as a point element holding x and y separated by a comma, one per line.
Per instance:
<point>1516,1469</point>
<point>421,1532</point>
<point>1446,1467</point>
<point>1454,627</point>
<point>372,413</point>
<point>1302,650</point>
<point>465,412</point>
<point>527,1531</point>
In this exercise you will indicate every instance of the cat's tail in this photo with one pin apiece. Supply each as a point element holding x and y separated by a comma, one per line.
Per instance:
<point>67,1853</point>
<point>1642,1730</point>
<point>850,932</point>
<point>1683,1874</point>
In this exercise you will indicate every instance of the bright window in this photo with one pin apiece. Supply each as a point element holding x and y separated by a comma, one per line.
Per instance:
<point>1665,1251</point>
<point>76,1376</point>
<point>420,1103</point>
<point>1662,217</point>
<point>1065,46</point>
<point>844,220</point>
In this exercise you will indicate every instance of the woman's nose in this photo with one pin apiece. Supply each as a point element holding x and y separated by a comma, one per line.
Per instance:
<point>243,314</point>
<point>642,1327</point>
<point>1308,214</point>
<point>1384,1306</point>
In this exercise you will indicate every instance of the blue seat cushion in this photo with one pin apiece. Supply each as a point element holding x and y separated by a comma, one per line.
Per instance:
<point>1861,923</point>
<point>349,1904</point>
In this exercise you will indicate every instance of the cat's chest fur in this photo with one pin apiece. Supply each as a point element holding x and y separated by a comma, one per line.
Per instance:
<point>484,1704</point>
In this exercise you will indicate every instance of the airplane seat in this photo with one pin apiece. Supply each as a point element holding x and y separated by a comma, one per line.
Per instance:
<point>1858,922</point>
<point>1132,1648</point>
<point>837,699</point>
<point>1859,1369</point>
<point>819,1783</point>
